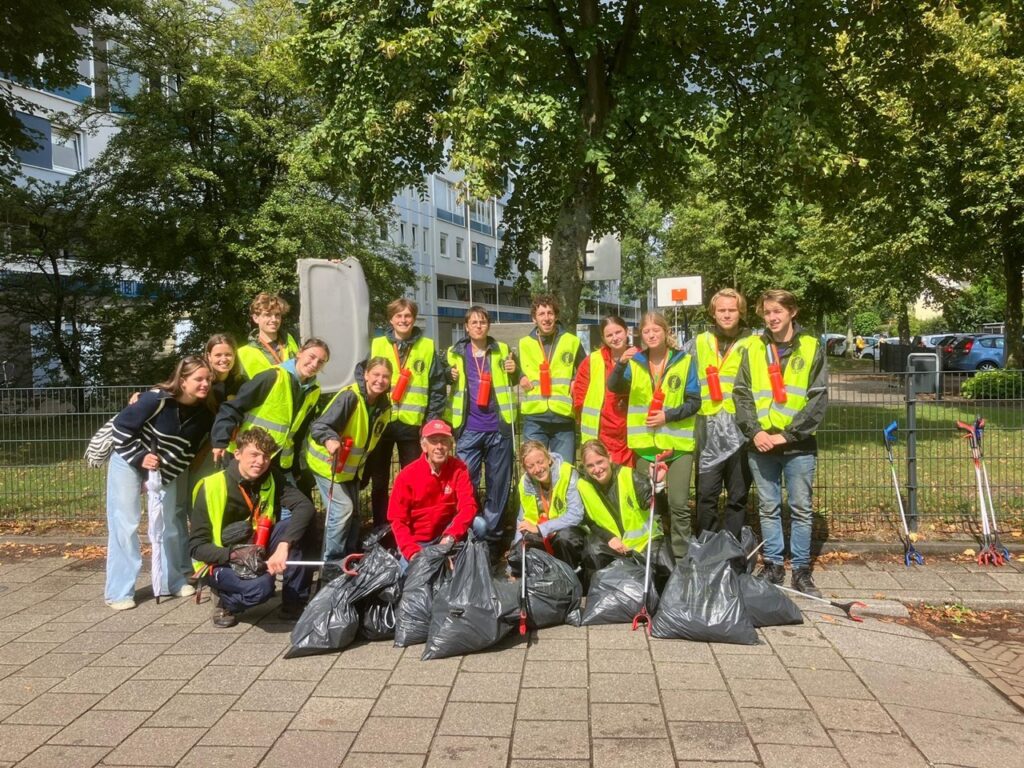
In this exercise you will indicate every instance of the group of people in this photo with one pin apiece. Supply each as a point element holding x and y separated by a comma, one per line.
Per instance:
<point>741,407</point>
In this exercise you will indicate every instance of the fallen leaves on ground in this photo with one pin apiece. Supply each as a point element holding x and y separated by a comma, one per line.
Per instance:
<point>836,557</point>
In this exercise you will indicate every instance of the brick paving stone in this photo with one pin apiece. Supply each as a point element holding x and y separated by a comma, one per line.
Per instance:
<point>809,657</point>
<point>864,643</point>
<point>158,632</point>
<point>559,649</point>
<point>94,680</point>
<point>140,695</point>
<point>852,714</point>
<point>463,718</point>
<point>22,653</point>
<point>411,701</point>
<point>129,655</point>
<point>98,728</point>
<point>188,710</point>
<point>395,734</point>
<point>172,668</point>
<point>754,667</point>
<point>372,760</point>
<point>553,704</point>
<point>474,751</point>
<point>243,654</point>
<point>556,740</point>
<point>378,656</point>
<point>54,632</point>
<point>322,714</point>
<point>236,729</point>
<point>305,668</point>
<point>779,756</point>
<point>280,695</point>
<point>296,748</point>
<point>353,683</point>
<point>867,579</point>
<point>962,740</point>
<point>621,640</point>
<point>770,726</point>
<point>222,680</point>
<point>878,750</point>
<point>202,756</point>
<point>830,682</point>
<point>783,694</point>
<point>155,746</point>
<point>64,756</point>
<point>650,753</point>
<point>503,660</point>
<point>412,671</point>
<point>703,706</point>
<point>54,709</point>
<point>619,661</point>
<point>201,643</point>
<point>801,635</point>
<point>93,642</point>
<point>711,741</point>
<point>553,674</point>
<point>689,677</point>
<point>761,649</point>
<point>623,688</point>
<point>637,721</point>
<point>58,664</point>
<point>485,686</point>
<point>681,651</point>
<point>17,741</point>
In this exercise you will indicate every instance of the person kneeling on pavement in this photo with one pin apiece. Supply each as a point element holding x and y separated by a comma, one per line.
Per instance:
<point>550,507</point>
<point>617,502</point>
<point>242,574</point>
<point>433,500</point>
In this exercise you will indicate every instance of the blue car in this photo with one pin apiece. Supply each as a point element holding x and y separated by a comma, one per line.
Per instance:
<point>985,352</point>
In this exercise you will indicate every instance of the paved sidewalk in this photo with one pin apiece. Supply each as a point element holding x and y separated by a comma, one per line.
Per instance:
<point>159,685</point>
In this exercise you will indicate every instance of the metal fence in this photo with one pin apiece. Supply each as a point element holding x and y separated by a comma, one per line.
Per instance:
<point>44,432</point>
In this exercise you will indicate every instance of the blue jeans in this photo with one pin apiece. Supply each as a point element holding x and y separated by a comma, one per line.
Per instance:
<point>236,594</point>
<point>342,517</point>
<point>125,484</point>
<point>493,452</point>
<point>559,438</point>
<point>798,470</point>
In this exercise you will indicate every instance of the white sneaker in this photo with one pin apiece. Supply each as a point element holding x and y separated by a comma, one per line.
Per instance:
<point>122,605</point>
<point>185,591</point>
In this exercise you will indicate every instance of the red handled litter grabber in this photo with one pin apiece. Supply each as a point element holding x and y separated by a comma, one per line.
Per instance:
<point>642,617</point>
<point>979,429</point>
<point>522,588</point>
<point>846,607</point>
<point>989,554</point>
<point>910,554</point>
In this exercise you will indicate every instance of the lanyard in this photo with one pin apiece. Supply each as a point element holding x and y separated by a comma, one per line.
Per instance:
<point>272,351</point>
<point>773,351</point>
<point>255,510</point>
<point>478,365</point>
<point>544,350</point>
<point>545,502</point>
<point>718,355</point>
<point>661,373</point>
<point>398,358</point>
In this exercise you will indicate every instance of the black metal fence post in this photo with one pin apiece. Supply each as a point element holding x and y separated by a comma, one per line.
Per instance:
<point>911,451</point>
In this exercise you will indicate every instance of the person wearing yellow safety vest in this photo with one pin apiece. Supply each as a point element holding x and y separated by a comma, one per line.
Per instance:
<point>664,398</point>
<point>603,412</point>
<point>266,347</point>
<point>246,490</point>
<point>481,410</point>
<point>550,508</point>
<point>339,441</point>
<point>419,392</point>
<point>781,395</point>
<point>722,457</point>
<point>617,501</point>
<point>281,400</point>
<point>549,358</point>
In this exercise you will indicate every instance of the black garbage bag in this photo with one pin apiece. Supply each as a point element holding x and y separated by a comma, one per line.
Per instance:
<point>616,594</point>
<point>331,619</point>
<point>702,599</point>
<point>748,542</point>
<point>426,574</point>
<point>377,619</point>
<point>553,591</point>
<point>467,612</point>
<point>767,605</point>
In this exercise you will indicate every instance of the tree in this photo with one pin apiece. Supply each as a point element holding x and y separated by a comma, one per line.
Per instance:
<point>643,232</point>
<point>40,46</point>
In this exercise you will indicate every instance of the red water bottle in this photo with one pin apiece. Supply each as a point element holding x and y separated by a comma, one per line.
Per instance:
<point>657,402</point>
<point>778,388</point>
<point>545,379</point>
<point>398,391</point>
<point>263,525</point>
<point>342,456</point>
<point>714,384</point>
<point>483,392</point>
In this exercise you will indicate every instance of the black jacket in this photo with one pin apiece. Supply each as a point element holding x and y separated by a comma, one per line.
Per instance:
<point>642,486</point>
<point>157,423</point>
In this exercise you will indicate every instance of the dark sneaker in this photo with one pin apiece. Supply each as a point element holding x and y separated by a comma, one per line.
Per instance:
<point>773,573</point>
<point>223,618</point>
<point>291,611</point>
<point>802,582</point>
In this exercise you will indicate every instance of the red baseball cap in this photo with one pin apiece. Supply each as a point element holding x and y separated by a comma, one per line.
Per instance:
<point>436,427</point>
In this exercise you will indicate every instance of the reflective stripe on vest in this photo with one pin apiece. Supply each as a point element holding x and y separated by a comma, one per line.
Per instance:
<point>412,409</point>
<point>796,379</point>
<point>593,401</point>
<point>675,435</point>
<point>277,416</point>
<point>559,496</point>
<point>215,489</point>
<point>254,359</point>
<point>364,440</point>
<point>707,355</point>
<point>634,519</point>
<point>561,364</point>
<point>501,389</point>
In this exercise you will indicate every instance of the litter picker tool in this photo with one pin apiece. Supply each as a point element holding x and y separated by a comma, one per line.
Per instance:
<point>846,607</point>
<point>523,607</point>
<point>979,428</point>
<point>910,553</point>
<point>990,552</point>
<point>642,617</point>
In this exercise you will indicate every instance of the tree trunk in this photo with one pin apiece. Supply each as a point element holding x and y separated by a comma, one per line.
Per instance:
<point>567,255</point>
<point>1013,270</point>
<point>903,323</point>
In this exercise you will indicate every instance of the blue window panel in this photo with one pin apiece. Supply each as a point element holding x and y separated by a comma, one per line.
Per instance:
<point>38,130</point>
<point>78,92</point>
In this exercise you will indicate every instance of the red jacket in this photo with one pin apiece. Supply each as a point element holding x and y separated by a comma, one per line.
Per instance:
<point>425,506</point>
<point>613,412</point>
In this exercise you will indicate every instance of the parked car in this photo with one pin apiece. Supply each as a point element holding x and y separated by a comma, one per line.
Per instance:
<point>835,343</point>
<point>985,352</point>
<point>932,340</point>
<point>944,346</point>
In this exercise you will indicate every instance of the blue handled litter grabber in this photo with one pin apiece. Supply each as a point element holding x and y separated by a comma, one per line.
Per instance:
<point>910,554</point>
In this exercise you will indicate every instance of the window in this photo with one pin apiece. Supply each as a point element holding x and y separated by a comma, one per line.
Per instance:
<point>458,249</point>
<point>413,235</point>
<point>442,246</point>
<point>482,254</point>
<point>401,233</point>
<point>66,151</point>
<point>424,239</point>
<point>383,231</point>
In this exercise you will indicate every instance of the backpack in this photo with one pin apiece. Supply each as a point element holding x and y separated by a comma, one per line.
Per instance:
<point>101,445</point>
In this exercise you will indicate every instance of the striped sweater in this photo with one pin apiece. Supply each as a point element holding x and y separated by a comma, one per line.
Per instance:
<point>174,432</point>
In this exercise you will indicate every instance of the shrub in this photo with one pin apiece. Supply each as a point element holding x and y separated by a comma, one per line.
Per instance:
<point>994,385</point>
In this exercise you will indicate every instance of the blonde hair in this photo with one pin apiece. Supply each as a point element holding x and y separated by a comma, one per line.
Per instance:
<point>729,293</point>
<point>529,446</point>
<point>270,303</point>
<point>595,446</point>
<point>658,319</point>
